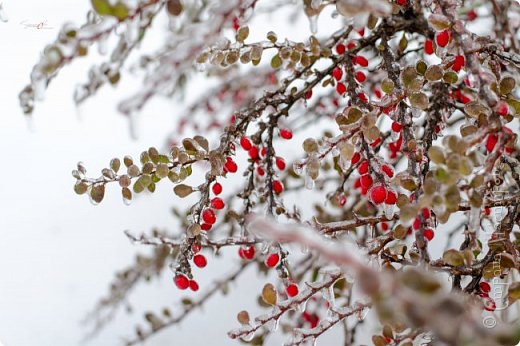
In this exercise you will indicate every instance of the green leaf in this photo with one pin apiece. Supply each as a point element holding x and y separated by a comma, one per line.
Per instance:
<point>120,11</point>
<point>102,7</point>
<point>514,290</point>
<point>276,61</point>
<point>515,104</point>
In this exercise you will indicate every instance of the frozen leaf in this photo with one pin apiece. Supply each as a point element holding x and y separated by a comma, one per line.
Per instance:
<point>271,36</point>
<point>162,170</point>
<point>387,85</point>
<point>514,290</point>
<point>115,164</point>
<point>453,258</point>
<point>102,7</point>
<point>80,188</point>
<point>409,76</point>
<point>120,11</point>
<point>378,340</point>
<point>439,22</point>
<point>276,62</point>
<point>436,154</point>
<point>127,194</point>
<point>243,317</point>
<point>507,84</point>
<point>269,295</point>
<point>174,7</point>
<point>419,100</point>
<point>182,190</point>
<point>97,193</point>
<point>433,73</point>
<point>202,141</point>
<point>242,34</point>
<point>450,77</point>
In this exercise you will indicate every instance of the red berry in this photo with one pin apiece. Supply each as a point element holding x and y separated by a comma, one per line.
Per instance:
<point>459,63</point>
<point>341,200</point>
<point>489,304</point>
<point>217,203</point>
<point>236,24</point>
<point>272,260</point>
<point>428,47</point>
<point>366,181</point>
<point>355,158</point>
<point>502,109</point>
<point>277,187</point>
<point>360,77</point>
<point>361,31</point>
<point>308,94</point>
<point>200,261</point>
<point>263,152</point>
<point>376,142</point>
<point>337,73</point>
<point>360,60</point>
<point>396,127</point>
<point>181,281</point>
<point>260,171</point>
<point>340,48</point>
<point>280,163</point>
<point>208,215</point>
<point>217,188</point>
<point>351,45</point>
<point>416,223</point>
<point>484,287</point>
<point>391,197</point>
<point>196,247</point>
<point>378,194</point>
<point>491,141</point>
<point>245,143</point>
<point>363,97</point>
<point>253,152</point>
<point>429,234</point>
<point>487,211</point>
<point>194,286</point>
<point>230,165</point>
<point>384,226</point>
<point>471,15</point>
<point>401,2</point>
<point>388,170</point>
<point>426,213</point>
<point>286,133</point>
<point>443,38</point>
<point>292,290</point>
<point>247,253</point>
<point>341,88</point>
<point>363,167</point>
<point>205,227</point>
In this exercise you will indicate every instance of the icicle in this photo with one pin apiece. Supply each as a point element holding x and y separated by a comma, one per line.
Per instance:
<point>3,15</point>
<point>309,182</point>
<point>389,210</point>
<point>474,219</point>
<point>313,23</point>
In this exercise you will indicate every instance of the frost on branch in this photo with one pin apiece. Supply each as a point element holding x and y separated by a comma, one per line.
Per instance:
<point>370,166</point>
